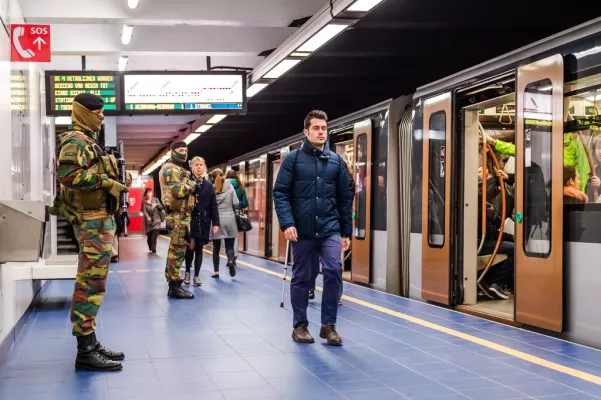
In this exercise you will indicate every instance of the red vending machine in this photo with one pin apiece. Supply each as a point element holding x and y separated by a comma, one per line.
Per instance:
<point>136,218</point>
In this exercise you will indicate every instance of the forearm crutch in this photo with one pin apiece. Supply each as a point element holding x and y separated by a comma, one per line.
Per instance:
<point>285,272</point>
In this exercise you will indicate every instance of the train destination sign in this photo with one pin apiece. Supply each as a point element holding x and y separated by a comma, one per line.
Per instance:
<point>182,93</point>
<point>62,87</point>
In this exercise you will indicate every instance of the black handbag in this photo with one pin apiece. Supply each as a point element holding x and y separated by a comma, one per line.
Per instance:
<point>243,222</point>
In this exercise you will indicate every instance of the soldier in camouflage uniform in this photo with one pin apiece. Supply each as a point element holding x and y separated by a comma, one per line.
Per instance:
<point>89,193</point>
<point>177,195</point>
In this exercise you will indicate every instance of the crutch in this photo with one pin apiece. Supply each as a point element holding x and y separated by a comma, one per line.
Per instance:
<point>285,272</point>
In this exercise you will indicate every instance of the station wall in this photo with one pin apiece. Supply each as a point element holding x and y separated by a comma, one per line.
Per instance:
<point>26,167</point>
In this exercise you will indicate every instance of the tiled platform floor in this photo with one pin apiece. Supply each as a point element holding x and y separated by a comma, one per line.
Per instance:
<point>233,342</point>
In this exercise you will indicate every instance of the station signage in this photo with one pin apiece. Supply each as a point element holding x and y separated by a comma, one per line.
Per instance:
<point>149,92</point>
<point>62,87</point>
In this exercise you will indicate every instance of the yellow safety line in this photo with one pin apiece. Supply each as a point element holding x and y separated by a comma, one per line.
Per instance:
<point>491,345</point>
<point>486,343</point>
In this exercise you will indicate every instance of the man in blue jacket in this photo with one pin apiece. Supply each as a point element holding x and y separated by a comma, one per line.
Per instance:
<point>313,203</point>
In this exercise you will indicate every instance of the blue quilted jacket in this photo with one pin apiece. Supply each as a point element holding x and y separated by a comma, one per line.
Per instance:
<point>312,193</point>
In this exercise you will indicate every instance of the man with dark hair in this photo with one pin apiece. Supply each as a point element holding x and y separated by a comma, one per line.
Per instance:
<point>89,195</point>
<point>313,204</point>
<point>177,195</point>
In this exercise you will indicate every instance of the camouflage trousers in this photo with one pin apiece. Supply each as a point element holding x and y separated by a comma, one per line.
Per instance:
<point>177,246</point>
<point>95,239</point>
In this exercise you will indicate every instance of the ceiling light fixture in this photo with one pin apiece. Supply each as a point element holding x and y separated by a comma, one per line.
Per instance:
<point>127,32</point>
<point>216,119</point>
<point>299,54</point>
<point>363,5</point>
<point>122,63</point>
<point>191,137</point>
<point>254,89</point>
<point>322,37</point>
<point>203,128</point>
<point>132,3</point>
<point>280,69</point>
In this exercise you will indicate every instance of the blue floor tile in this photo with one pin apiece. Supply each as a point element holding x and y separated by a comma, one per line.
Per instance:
<point>232,342</point>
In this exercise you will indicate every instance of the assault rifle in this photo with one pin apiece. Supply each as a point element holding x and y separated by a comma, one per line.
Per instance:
<point>124,201</point>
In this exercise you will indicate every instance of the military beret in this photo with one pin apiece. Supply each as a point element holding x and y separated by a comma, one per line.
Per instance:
<point>90,101</point>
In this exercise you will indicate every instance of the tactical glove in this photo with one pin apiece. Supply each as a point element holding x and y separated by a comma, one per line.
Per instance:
<point>114,188</point>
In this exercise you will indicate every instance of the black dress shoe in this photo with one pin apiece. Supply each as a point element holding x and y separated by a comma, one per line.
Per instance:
<point>301,334</point>
<point>90,359</point>
<point>176,291</point>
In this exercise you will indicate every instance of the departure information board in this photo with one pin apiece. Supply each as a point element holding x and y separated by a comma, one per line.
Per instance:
<point>63,86</point>
<point>181,92</point>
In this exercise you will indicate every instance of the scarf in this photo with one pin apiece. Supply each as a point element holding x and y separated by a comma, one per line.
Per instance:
<point>177,158</point>
<point>575,193</point>
<point>85,119</point>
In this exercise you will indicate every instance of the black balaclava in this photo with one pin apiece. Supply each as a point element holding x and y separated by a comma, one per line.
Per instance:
<point>175,156</point>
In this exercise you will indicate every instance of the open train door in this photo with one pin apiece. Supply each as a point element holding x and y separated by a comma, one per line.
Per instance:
<point>361,247</point>
<point>436,195</point>
<point>539,197</point>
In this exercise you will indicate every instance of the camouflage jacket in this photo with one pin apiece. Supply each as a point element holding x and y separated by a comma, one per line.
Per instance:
<point>177,187</point>
<point>81,173</point>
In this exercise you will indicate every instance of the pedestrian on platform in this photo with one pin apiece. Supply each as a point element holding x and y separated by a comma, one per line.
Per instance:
<point>205,213</point>
<point>177,193</point>
<point>89,196</point>
<point>154,216</point>
<point>234,179</point>
<point>313,205</point>
<point>227,203</point>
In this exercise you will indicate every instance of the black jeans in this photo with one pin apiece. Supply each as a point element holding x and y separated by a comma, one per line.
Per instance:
<point>152,239</point>
<point>194,251</point>
<point>229,251</point>
<point>502,273</point>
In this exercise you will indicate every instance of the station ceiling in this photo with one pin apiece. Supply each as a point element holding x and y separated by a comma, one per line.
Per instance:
<point>399,46</point>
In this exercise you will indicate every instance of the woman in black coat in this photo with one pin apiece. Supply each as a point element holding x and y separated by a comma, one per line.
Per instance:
<point>205,212</point>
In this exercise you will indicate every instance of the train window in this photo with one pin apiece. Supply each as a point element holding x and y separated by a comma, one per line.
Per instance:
<point>538,121</point>
<point>360,189</point>
<point>582,141</point>
<point>437,139</point>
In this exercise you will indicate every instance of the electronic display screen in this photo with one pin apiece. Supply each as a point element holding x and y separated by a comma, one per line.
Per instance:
<point>63,86</point>
<point>181,92</point>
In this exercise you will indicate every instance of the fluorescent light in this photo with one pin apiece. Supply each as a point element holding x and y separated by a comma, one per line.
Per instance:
<point>280,69</point>
<point>132,3</point>
<point>322,37</point>
<point>191,137</point>
<point>216,119</point>
<point>363,5</point>
<point>122,63</point>
<point>255,88</point>
<point>127,32</point>
<point>299,54</point>
<point>203,128</point>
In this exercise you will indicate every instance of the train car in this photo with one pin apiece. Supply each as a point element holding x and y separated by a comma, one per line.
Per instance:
<point>363,140</point>
<point>498,230</point>
<point>534,225</point>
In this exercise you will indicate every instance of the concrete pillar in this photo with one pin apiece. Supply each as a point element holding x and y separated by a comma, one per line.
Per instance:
<point>110,131</point>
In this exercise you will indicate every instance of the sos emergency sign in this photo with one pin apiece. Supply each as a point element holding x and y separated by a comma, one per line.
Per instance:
<point>30,43</point>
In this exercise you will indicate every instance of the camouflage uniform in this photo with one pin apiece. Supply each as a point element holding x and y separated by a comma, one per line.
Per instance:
<point>177,191</point>
<point>82,167</point>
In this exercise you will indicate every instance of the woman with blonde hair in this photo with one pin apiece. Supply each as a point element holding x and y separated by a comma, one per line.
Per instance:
<point>227,202</point>
<point>204,214</point>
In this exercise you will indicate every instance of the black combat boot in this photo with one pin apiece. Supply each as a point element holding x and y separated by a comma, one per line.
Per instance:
<point>110,354</point>
<point>90,359</point>
<point>176,291</point>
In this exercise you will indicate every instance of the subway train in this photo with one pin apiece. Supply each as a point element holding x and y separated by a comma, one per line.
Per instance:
<point>489,174</point>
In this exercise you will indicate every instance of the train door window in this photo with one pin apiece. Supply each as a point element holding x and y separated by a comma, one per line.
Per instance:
<point>538,118</point>
<point>436,186</point>
<point>360,189</point>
